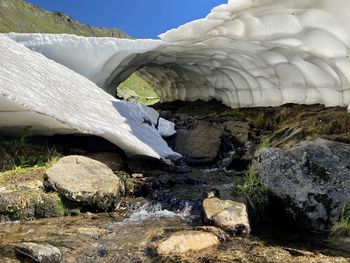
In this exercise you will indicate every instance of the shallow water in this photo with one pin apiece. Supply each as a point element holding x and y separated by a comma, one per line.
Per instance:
<point>116,238</point>
<point>92,238</point>
<point>126,236</point>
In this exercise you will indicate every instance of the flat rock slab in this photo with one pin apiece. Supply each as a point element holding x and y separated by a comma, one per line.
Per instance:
<point>188,241</point>
<point>85,180</point>
<point>229,215</point>
<point>40,253</point>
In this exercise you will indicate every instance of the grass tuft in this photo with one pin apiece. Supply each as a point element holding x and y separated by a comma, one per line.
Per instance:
<point>253,189</point>
<point>342,228</point>
<point>264,143</point>
<point>264,121</point>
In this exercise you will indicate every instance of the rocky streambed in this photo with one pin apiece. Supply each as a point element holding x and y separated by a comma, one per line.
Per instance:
<point>134,233</point>
<point>246,190</point>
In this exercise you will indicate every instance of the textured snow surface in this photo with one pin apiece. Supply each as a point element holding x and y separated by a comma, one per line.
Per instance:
<point>50,98</point>
<point>245,53</point>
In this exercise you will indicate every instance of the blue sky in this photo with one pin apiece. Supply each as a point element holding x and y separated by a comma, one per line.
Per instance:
<point>140,18</point>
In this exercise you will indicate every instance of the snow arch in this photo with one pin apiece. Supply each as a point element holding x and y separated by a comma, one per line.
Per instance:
<point>245,53</point>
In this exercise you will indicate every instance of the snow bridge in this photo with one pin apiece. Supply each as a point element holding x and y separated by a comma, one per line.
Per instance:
<point>246,53</point>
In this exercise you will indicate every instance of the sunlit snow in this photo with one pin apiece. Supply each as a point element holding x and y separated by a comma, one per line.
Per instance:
<point>246,53</point>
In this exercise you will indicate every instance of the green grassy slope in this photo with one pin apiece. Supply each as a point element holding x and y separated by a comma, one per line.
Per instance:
<point>137,89</point>
<point>20,16</point>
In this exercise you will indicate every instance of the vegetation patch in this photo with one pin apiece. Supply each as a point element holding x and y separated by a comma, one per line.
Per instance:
<point>342,228</point>
<point>137,89</point>
<point>264,122</point>
<point>12,179</point>
<point>254,191</point>
<point>23,163</point>
<point>285,125</point>
<point>20,16</point>
<point>19,155</point>
<point>264,143</point>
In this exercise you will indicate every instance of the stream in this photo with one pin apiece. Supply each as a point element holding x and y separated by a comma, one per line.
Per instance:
<point>125,236</point>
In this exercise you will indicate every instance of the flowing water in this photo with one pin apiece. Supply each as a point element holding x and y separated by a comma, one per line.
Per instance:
<point>94,238</point>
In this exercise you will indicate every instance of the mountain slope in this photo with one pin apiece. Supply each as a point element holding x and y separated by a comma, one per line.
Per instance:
<point>22,17</point>
<point>19,16</point>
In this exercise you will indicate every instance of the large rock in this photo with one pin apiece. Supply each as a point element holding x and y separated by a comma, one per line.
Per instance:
<point>313,176</point>
<point>205,139</point>
<point>40,253</point>
<point>200,144</point>
<point>84,180</point>
<point>229,215</point>
<point>189,241</point>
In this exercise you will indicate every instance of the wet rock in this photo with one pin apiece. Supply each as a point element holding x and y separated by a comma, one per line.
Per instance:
<point>20,205</point>
<point>188,241</point>
<point>229,215</point>
<point>85,181</point>
<point>312,178</point>
<point>23,197</point>
<point>139,186</point>
<point>40,253</point>
<point>200,144</point>
<point>221,234</point>
<point>112,160</point>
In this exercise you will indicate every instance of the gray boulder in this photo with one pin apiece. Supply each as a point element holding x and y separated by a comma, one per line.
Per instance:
<point>205,141</point>
<point>200,144</point>
<point>86,181</point>
<point>40,253</point>
<point>313,176</point>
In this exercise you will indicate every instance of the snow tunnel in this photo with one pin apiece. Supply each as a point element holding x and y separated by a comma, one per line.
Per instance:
<point>245,53</point>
